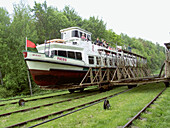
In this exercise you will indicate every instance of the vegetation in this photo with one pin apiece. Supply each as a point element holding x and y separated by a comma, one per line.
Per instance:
<point>9,120</point>
<point>44,22</point>
<point>158,115</point>
<point>123,108</point>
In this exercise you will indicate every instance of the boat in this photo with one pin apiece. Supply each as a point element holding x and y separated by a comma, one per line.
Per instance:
<point>62,63</point>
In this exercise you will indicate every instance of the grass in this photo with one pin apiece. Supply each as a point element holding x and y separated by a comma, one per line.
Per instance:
<point>14,107</point>
<point>38,92</point>
<point>159,113</point>
<point>33,97</point>
<point>19,117</point>
<point>124,107</point>
<point>12,99</point>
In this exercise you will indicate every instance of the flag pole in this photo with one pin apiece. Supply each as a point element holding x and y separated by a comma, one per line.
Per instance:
<point>26,44</point>
<point>29,82</point>
<point>28,73</point>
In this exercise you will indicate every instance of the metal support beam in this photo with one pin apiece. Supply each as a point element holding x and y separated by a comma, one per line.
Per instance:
<point>29,80</point>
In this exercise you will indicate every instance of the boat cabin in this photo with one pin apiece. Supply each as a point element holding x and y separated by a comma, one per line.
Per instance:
<point>74,33</point>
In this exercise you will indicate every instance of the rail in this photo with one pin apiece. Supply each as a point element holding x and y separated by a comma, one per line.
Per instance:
<point>15,102</point>
<point>82,106</point>
<point>44,105</point>
<point>139,113</point>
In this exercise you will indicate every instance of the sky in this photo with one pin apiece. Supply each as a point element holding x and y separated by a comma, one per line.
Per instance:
<point>146,19</point>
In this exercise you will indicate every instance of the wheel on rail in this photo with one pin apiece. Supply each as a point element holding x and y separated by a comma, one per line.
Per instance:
<point>131,86</point>
<point>81,89</point>
<point>166,84</point>
<point>71,90</point>
<point>21,102</point>
<point>102,89</point>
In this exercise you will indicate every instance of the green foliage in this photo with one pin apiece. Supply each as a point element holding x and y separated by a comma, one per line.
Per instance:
<point>113,38</point>
<point>154,53</point>
<point>95,26</point>
<point>42,23</point>
<point>4,93</point>
<point>72,16</point>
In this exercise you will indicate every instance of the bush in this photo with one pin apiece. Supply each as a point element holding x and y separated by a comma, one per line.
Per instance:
<point>4,93</point>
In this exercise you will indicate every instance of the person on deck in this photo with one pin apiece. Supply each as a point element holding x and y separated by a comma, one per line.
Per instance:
<point>129,48</point>
<point>104,44</point>
<point>97,42</point>
<point>83,37</point>
<point>107,45</point>
<point>101,42</point>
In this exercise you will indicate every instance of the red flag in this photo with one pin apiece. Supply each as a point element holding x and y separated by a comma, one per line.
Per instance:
<point>30,44</point>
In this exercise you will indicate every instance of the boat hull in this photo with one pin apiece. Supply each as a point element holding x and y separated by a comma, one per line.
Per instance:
<point>53,73</point>
<point>57,72</point>
<point>57,78</point>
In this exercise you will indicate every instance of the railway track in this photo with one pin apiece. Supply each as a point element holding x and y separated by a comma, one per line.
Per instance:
<point>34,99</point>
<point>79,107</point>
<point>26,96</point>
<point>15,102</point>
<point>45,105</point>
<point>141,111</point>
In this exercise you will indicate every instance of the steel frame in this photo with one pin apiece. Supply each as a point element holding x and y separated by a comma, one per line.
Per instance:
<point>126,70</point>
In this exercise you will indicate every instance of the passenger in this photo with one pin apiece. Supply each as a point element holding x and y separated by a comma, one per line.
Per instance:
<point>113,49</point>
<point>97,42</point>
<point>107,45</point>
<point>101,42</point>
<point>104,44</point>
<point>83,37</point>
<point>129,48</point>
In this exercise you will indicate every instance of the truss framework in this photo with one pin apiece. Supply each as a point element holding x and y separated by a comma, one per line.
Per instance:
<point>122,72</point>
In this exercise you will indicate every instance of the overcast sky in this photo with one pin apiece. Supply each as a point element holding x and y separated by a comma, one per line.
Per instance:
<point>147,19</point>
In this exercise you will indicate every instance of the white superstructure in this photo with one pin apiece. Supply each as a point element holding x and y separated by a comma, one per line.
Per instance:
<point>66,60</point>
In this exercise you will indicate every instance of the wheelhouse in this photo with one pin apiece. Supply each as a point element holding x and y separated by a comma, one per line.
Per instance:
<point>74,33</point>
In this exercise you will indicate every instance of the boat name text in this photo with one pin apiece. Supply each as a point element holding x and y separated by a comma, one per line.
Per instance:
<point>36,55</point>
<point>62,59</point>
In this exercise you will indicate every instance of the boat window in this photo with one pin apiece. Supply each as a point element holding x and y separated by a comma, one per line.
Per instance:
<point>74,43</point>
<point>62,53</point>
<point>81,34</point>
<point>52,53</point>
<point>98,60</point>
<point>78,56</point>
<point>61,35</point>
<point>56,52</point>
<point>111,62</point>
<point>75,33</point>
<point>91,60</point>
<point>71,55</point>
<point>105,61</point>
<point>84,34</point>
<point>88,37</point>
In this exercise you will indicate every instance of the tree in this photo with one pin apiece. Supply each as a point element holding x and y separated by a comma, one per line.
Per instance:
<point>4,38</point>
<point>72,16</point>
<point>95,26</point>
<point>4,25</point>
<point>40,16</point>
<point>15,74</point>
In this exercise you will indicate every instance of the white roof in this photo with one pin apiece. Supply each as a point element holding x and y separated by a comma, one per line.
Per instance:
<point>75,28</point>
